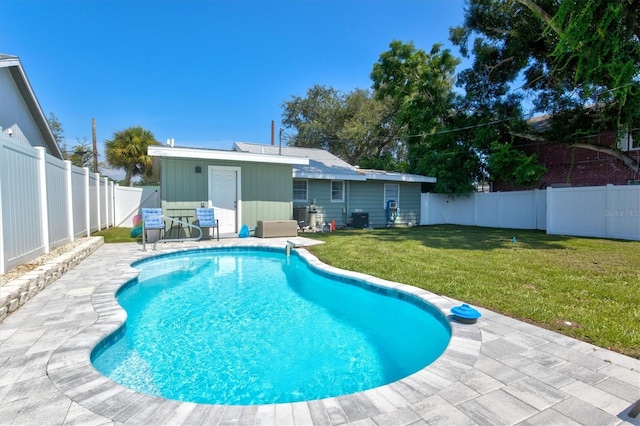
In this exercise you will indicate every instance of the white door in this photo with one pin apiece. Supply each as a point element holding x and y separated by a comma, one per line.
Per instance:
<point>224,196</point>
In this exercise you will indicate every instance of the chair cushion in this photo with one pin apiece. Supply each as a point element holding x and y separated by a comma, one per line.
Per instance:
<point>152,218</point>
<point>205,217</point>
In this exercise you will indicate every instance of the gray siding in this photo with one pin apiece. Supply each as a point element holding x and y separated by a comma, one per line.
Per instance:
<point>15,115</point>
<point>320,190</point>
<point>266,188</point>
<point>368,197</point>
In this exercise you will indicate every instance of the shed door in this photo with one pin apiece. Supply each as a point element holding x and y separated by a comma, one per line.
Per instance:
<point>224,196</point>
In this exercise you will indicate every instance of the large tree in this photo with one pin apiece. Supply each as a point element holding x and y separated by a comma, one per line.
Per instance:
<point>576,60</point>
<point>127,149</point>
<point>354,126</point>
<point>420,85</point>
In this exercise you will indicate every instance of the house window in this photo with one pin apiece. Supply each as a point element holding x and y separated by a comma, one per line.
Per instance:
<point>299,190</point>
<point>634,139</point>
<point>630,141</point>
<point>337,190</point>
<point>391,192</point>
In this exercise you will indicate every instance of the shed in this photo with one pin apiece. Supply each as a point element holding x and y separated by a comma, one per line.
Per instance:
<point>243,187</point>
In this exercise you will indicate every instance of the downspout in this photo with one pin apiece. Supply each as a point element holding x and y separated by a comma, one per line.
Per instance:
<point>347,201</point>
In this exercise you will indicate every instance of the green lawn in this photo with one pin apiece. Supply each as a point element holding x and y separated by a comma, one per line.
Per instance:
<point>116,235</point>
<point>543,279</point>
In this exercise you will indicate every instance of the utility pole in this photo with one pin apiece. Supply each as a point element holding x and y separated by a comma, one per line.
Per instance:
<point>95,146</point>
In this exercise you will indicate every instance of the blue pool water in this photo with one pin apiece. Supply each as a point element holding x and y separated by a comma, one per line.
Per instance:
<point>255,327</point>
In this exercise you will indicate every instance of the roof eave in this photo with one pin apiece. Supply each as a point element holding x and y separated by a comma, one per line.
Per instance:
<point>401,178</point>
<point>327,176</point>
<point>22,82</point>
<point>210,154</point>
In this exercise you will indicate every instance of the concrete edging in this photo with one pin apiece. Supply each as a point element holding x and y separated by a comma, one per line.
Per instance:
<point>15,293</point>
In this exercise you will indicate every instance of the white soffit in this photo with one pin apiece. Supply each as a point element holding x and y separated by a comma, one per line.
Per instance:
<point>397,177</point>
<point>213,154</point>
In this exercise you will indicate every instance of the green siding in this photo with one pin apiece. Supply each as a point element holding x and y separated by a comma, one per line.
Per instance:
<point>266,189</point>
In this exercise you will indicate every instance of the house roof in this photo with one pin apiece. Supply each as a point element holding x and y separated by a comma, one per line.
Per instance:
<point>321,164</point>
<point>219,154</point>
<point>395,176</point>
<point>12,63</point>
<point>324,165</point>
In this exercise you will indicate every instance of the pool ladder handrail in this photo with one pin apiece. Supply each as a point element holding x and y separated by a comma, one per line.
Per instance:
<point>166,240</point>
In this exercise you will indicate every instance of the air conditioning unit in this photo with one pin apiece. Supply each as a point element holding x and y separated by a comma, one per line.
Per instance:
<point>300,216</point>
<point>360,220</point>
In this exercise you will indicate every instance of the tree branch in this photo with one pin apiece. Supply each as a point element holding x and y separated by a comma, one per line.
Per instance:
<point>543,14</point>
<point>529,136</point>
<point>504,61</point>
<point>628,161</point>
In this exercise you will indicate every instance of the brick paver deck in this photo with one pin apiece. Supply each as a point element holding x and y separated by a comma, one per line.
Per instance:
<point>498,371</point>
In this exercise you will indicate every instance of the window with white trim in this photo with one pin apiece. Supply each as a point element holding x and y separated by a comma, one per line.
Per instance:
<point>634,139</point>
<point>300,190</point>
<point>391,192</point>
<point>337,191</point>
<point>630,141</point>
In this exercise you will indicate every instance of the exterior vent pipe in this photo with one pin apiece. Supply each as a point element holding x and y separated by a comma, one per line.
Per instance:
<point>272,132</point>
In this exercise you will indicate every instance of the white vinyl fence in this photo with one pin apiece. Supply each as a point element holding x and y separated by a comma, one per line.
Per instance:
<point>129,201</point>
<point>600,211</point>
<point>597,211</point>
<point>46,202</point>
<point>518,209</point>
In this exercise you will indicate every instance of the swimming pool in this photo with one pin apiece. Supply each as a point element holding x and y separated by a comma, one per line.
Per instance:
<point>269,329</point>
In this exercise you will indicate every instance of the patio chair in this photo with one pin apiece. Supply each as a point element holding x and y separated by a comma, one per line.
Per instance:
<point>152,220</point>
<point>205,219</point>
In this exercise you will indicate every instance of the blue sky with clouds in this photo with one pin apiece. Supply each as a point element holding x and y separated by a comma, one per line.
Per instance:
<point>207,72</point>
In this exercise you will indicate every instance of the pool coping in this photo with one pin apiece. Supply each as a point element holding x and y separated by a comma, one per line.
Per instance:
<point>71,371</point>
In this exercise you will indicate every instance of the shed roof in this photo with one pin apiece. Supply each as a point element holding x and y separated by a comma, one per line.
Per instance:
<point>322,164</point>
<point>219,154</point>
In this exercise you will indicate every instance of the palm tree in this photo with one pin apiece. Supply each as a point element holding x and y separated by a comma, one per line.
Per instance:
<point>128,149</point>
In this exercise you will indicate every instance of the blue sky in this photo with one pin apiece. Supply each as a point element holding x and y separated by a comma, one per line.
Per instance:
<point>208,72</point>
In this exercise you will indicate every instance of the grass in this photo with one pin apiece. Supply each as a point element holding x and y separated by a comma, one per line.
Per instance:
<point>585,288</point>
<point>116,235</point>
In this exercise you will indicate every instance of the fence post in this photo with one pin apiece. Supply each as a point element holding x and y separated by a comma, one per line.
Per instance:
<point>106,201</point>
<point>69,194</point>
<point>87,210</point>
<point>475,209</point>
<point>424,209</point>
<point>549,210</point>
<point>42,189</point>
<point>608,218</point>
<point>498,210</point>
<point>2,260</point>
<point>112,211</point>
<point>97,175</point>
<point>535,207</point>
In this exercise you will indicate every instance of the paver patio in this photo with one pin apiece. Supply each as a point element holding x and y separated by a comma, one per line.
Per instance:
<point>499,371</point>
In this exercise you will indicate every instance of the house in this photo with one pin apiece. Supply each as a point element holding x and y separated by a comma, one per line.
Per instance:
<point>606,161</point>
<point>21,117</point>
<point>243,187</point>
<point>328,190</point>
